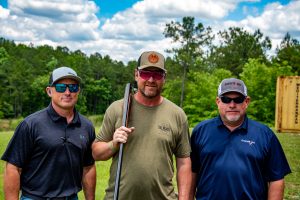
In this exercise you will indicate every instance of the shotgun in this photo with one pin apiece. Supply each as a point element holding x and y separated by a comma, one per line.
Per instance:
<point>126,107</point>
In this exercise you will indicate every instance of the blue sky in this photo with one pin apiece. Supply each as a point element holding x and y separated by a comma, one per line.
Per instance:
<point>254,8</point>
<point>123,29</point>
<point>110,7</point>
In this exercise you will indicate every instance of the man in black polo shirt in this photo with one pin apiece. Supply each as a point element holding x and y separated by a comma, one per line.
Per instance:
<point>49,155</point>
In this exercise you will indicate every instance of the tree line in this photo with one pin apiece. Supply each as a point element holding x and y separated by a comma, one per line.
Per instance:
<point>200,61</point>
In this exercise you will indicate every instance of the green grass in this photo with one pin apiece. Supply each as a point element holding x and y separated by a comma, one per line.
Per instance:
<point>289,141</point>
<point>291,145</point>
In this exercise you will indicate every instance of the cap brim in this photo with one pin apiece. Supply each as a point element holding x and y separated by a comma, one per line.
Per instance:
<point>76,78</point>
<point>146,66</point>
<point>237,91</point>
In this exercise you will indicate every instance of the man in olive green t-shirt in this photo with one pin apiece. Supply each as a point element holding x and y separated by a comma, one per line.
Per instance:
<point>157,130</point>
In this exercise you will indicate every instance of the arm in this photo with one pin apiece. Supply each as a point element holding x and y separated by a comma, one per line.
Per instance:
<point>184,177</point>
<point>105,150</point>
<point>276,189</point>
<point>89,182</point>
<point>11,182</point>
<point>193,185</point>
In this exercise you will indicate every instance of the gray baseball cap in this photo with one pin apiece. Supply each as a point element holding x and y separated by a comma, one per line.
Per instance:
<point>232,85</point>
<point>61,73</point>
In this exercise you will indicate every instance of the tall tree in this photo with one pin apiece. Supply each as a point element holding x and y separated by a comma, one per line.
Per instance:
<point>25,70</point>
<point>98,93</point>
<point>289,51</point>
<point>192,38</point>
<point>201,94</point>
<point>236,47</point>
<point>261,84</point>
<point>4,57</point>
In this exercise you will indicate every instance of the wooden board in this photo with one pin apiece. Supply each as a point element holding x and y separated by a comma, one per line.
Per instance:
<point>287,118</point>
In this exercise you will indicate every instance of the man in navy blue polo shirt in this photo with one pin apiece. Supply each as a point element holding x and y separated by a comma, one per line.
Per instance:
<point>234,157</point>
<point>49,155</point>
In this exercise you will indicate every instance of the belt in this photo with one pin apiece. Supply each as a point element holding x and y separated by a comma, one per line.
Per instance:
<point>47,198</point>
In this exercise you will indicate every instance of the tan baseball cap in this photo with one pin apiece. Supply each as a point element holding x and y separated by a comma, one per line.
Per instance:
<point>151,59</point>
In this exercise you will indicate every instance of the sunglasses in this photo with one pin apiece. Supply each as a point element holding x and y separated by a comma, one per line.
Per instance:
<point>156,75</point>
<point>61,87</point>
<point>236,100</point>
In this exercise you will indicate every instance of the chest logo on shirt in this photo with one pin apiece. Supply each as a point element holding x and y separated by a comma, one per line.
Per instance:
<point>164,127</point>
<point>250,142</point>
<point>82,137</point>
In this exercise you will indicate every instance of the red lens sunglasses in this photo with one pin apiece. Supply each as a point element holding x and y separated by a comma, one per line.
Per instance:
<point>156,75</point>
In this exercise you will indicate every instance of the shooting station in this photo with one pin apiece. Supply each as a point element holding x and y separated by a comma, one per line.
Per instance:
<point>287,116</point>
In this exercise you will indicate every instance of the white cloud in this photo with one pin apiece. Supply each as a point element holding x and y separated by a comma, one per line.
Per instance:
<point>170,8</point>
<point>275,21</point>
<point>147,19</point>
<point>4,13</point>
<point>58,21</point>
<point>133,26</point>
<point>55,9</point>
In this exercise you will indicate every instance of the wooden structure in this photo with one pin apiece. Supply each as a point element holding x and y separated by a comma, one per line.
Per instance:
<point>287,116</point>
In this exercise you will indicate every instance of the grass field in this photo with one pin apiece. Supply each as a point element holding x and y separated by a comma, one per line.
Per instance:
<point>290,143</point>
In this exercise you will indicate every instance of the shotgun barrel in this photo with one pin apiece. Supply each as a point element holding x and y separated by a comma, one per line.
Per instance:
<point>126,107</point>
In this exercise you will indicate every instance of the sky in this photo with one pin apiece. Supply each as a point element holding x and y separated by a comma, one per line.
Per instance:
<point>123,29</point>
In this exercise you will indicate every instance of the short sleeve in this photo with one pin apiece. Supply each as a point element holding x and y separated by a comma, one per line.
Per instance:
<point>195,150</point>
<point>183,145</point>
<point>88,159</point>
<point>277,163</point>
<point>20,146</point>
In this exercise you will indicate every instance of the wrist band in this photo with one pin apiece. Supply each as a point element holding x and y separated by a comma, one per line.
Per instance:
<point>112,147</point>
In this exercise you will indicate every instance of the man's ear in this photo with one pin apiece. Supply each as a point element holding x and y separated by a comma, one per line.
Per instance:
<point>136,74</point>
<point>48,90</point>
<point>248,99</point>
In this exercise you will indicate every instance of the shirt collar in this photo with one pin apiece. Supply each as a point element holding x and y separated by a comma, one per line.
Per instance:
<point>243,126</point>
<point>56,117</point>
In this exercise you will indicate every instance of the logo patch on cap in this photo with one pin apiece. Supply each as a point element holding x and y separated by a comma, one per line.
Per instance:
<point>153,58</point>
<point>232,85</point>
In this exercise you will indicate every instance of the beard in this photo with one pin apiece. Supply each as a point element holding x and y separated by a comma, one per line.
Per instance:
<point>234,118</point>
<point>151,91</point>
<point>150,94</point>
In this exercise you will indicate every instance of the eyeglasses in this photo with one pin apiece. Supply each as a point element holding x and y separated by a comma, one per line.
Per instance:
<point>61,87</point>
<point>146,75</point>
<point>236,100</point>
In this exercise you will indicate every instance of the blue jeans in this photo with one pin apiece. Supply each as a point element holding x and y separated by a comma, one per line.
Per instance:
<point>26,198</point>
